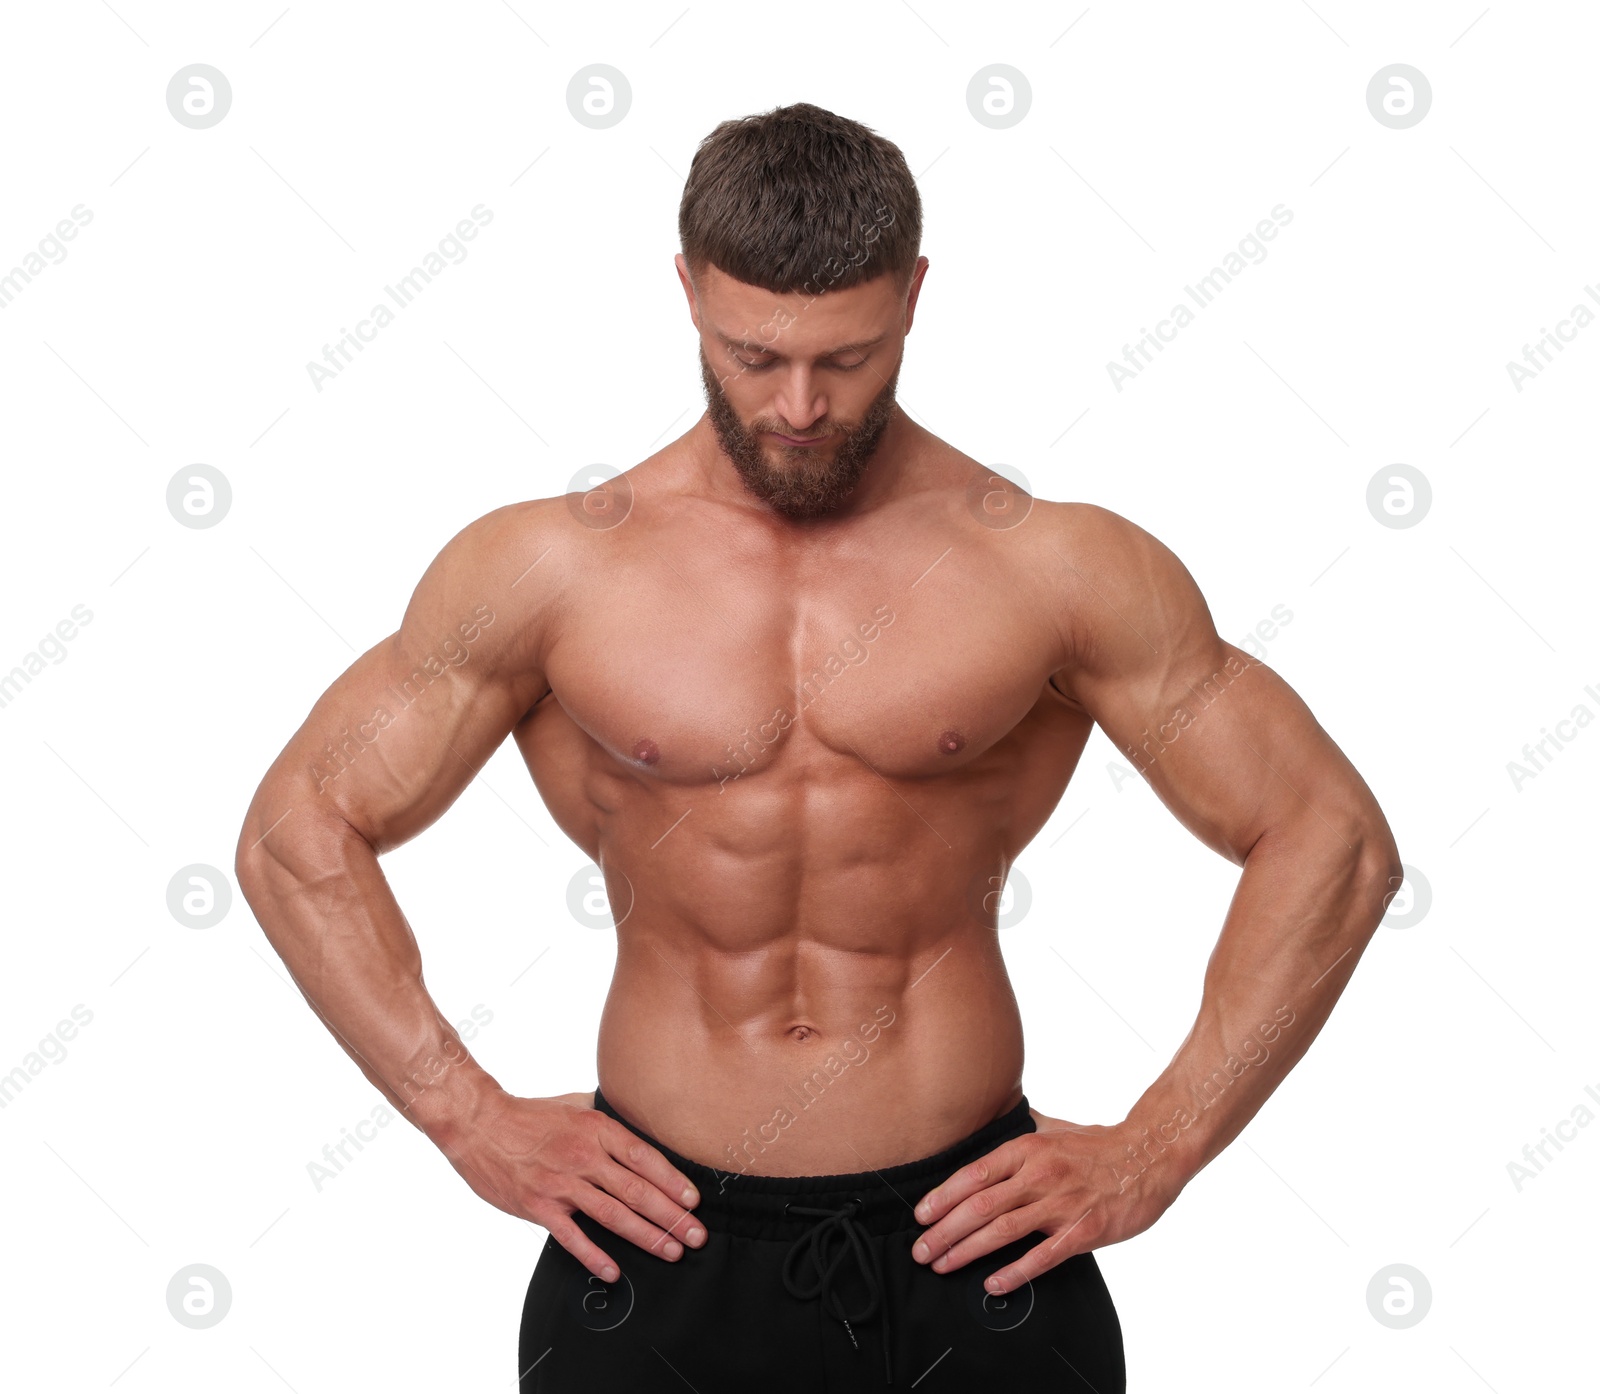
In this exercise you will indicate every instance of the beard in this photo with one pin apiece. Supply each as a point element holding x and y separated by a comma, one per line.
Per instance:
<point>805,483</point>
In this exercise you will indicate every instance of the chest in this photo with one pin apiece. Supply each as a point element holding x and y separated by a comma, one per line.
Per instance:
<point>691,670</point>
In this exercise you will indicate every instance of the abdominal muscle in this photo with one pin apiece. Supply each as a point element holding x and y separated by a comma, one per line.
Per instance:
<point>799,1058</point>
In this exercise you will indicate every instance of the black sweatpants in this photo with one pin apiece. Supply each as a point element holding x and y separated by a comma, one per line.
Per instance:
<point>806,1284</point>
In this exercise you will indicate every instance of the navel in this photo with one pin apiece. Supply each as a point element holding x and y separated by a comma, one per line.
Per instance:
<point>645,751</point>
<point>802,1032</point>
<point>951,741</point>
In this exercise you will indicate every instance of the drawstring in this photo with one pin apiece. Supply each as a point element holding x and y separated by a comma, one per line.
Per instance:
<point>812,1245</point>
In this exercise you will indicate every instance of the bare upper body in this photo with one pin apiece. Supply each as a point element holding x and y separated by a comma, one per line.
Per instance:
<point>805,764</point>
<point>805,757</point>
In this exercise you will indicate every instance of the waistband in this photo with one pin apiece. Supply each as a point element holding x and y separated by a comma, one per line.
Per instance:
<point>754,1206</point>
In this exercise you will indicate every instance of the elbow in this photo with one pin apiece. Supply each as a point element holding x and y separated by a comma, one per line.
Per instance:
<point>254,855</point>
<point>281,850</point>
<point>245,866</point>
<point>1390,868</point>
<point>250,856</point>
<point>1359,867</point>
<point>1380,856</point>
<point>1382,871</point>
<point>1362,848</point>
<point>247,876</point>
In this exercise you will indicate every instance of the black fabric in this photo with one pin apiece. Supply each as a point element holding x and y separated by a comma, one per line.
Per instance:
<point>807,1284</point>
<point>810,1247</point>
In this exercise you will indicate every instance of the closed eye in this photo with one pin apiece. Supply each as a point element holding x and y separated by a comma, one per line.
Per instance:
<point>832,367</point>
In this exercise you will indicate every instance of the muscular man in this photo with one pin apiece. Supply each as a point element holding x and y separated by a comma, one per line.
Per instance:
<point>804,683</point>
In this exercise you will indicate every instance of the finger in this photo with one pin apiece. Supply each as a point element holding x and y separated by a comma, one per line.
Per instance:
<point>996,1214</point>
<point>1039,1259</point>
<point>672,1225</point>
<point>610,1213</point>
<point>978,1174</point>
<point>639,1156</point>
<point>564,1230</point>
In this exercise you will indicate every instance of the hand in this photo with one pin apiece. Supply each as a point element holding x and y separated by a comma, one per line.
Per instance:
<point>542,1159</point>
<point>1069,1180</point>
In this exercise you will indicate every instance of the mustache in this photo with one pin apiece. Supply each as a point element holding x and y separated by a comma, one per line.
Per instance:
<point>793,435</point>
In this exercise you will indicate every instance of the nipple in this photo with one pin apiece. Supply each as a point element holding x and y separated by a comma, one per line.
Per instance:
<point>645,751</point>
<point>951,741</point>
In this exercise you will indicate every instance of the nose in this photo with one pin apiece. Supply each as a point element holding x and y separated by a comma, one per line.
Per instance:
<point>798,403</point>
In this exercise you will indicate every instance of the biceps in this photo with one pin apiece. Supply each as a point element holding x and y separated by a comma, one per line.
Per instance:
<point>397,737</point>
<point>1233,751</point>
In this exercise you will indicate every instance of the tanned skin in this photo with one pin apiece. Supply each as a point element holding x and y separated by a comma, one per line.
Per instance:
<point>806,750</point>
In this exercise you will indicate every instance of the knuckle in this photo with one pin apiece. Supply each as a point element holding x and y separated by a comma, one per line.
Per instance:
<point>546,1218</point>
<point>608,1212</point>
<point>1048,1169</point>
<point>568,1235</point>
<point>543,1184</point>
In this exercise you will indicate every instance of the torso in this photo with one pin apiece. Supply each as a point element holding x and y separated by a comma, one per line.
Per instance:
<point>804,767</point>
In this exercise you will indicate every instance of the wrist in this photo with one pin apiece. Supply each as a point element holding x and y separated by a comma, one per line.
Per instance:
<point>446,1102</point>
<point>1160,1146</point>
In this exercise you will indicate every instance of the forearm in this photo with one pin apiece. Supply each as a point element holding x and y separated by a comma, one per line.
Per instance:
<point>1296,927</point>
<point>326,907</point>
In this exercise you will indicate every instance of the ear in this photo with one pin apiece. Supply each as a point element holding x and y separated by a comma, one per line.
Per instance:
<point>914,289</point>
<point>688,288</point>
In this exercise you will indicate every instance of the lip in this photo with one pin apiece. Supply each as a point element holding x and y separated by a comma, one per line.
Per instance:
<point>791,440</point>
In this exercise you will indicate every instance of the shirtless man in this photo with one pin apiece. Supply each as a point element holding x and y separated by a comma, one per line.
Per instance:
<point>804,683</point>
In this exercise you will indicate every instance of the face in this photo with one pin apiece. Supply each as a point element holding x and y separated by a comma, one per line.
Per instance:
<point>800,388</point>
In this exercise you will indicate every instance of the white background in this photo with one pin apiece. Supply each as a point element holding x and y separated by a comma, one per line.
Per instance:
<point>179,1125</point>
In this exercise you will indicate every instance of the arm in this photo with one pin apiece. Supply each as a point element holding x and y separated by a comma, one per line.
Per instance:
<point>1234,753</point>
<point>1231,749</point>
<point>385,750</point>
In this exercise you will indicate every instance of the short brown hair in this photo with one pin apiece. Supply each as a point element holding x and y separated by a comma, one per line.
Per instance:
<point>800,199</point>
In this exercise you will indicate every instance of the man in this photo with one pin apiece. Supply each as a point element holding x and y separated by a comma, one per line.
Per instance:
<point>804,683</point>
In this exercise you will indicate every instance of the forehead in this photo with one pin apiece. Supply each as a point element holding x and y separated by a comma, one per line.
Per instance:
<point>802,321</point>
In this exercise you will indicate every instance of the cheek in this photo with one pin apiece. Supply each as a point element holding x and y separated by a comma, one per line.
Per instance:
<point>736,394</point>
<point>854,405</point>
<point>750,406</point>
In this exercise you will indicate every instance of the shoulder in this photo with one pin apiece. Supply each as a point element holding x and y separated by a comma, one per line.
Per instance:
<point>495,551</point>
<point>1095,545</point>
<point>1121,596</point>
<point>519,564</point>
<point>1097,536</point>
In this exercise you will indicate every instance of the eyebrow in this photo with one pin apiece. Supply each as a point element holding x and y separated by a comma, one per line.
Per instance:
<point>755,347</point>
